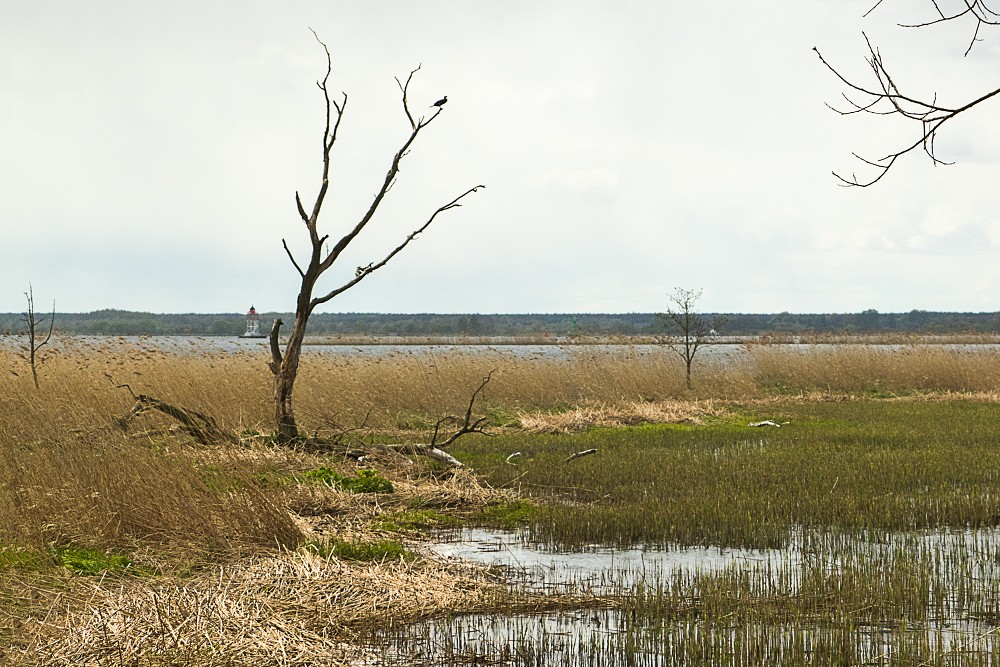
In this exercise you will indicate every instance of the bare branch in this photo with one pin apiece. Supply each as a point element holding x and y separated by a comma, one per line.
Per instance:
<point>302,211</point>
<point>404,89</point>
<point>120,386</point>
<point>468,424</point>
<point>329,136</point>
<point>976,10</point>
<point>387,182</point>
<point>886,99</point>
<point>294,263</point>
<point>368,270</point>
<point>928,114</point>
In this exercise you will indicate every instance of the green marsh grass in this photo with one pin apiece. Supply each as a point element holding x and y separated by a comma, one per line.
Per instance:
<point>360,550</point>
<point>863,465</point>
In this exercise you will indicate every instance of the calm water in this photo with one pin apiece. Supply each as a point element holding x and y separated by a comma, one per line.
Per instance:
<point>965,561</point>
<point>597,570</point>
<point>726,353</point>
<point>235,345</point>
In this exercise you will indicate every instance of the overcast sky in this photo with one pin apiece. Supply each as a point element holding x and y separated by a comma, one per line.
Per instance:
<point>150,152</point>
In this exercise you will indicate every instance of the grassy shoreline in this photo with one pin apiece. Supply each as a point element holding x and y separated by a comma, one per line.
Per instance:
<point>142,545</point>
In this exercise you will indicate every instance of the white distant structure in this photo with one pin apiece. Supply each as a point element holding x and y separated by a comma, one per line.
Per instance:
<point>253,325</point>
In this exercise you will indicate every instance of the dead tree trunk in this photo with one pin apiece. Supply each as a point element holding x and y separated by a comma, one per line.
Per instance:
<point>285,365</point>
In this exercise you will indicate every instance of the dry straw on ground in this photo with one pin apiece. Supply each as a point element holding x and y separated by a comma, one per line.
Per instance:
<point>584,417</point>
<point>289,609</point>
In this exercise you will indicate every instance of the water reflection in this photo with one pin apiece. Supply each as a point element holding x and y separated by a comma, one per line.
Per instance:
<point>830,597</point>
<point>597,570</point>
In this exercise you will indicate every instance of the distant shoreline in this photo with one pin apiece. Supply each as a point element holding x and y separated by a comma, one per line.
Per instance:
<point>570,341</point>
<point>790,339</point>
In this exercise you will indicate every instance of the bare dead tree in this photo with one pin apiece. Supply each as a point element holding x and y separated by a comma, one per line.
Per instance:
<point>688,330</point>
<point>284,365</point>
<point>882,96</point>
<point>442,437</point>
<point>435,449</point>
<point>34,324</point>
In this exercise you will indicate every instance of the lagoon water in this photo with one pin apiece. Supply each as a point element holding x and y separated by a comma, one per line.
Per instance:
<point>595,570</point>
<point>613,633</point>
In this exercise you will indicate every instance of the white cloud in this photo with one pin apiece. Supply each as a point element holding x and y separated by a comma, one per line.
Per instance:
<point>151,154</point>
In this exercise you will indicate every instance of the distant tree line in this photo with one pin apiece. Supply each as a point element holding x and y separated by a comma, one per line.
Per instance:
<point>128,323</point>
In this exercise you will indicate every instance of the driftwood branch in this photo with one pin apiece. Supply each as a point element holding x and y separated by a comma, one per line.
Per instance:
<point>468,425</point>
<point>198,425</point>
<point>577,455</point>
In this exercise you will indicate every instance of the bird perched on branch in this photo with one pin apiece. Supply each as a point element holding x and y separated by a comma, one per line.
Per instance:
<point>441,102</point>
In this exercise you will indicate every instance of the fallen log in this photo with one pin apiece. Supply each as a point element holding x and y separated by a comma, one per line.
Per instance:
<point>586,452</point>
<point>198,425</point>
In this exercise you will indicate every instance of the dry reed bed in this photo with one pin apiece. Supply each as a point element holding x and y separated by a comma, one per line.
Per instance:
<point>409,386</point>
<point>288,609</point>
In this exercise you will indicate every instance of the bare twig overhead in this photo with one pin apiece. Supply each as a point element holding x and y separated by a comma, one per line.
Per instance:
<point>978,12</point>
<point>884,97</point>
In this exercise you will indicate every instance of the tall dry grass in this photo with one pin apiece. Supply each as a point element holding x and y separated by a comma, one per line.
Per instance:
<point>410,386</point>
<point>875,368</point>
<point>68,474</point>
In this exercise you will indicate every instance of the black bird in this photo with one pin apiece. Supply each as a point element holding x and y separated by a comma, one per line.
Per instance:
<point>440,102</point>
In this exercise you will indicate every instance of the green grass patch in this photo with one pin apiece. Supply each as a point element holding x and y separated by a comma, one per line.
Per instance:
<point>366,481</point>
<point>508,515</point>
<point>13,557</point>
<point>218,480</point>
<point>361,550</point>
<point>87,561</point>
<point>414,520</point>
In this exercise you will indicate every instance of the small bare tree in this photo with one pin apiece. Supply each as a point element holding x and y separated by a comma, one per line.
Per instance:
<point>883,96</point>
<point>35,324</point>
<point>285,365</point>
<point>687,330</point>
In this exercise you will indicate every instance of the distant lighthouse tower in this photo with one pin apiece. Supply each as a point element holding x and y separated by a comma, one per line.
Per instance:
<point>253,325</point>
